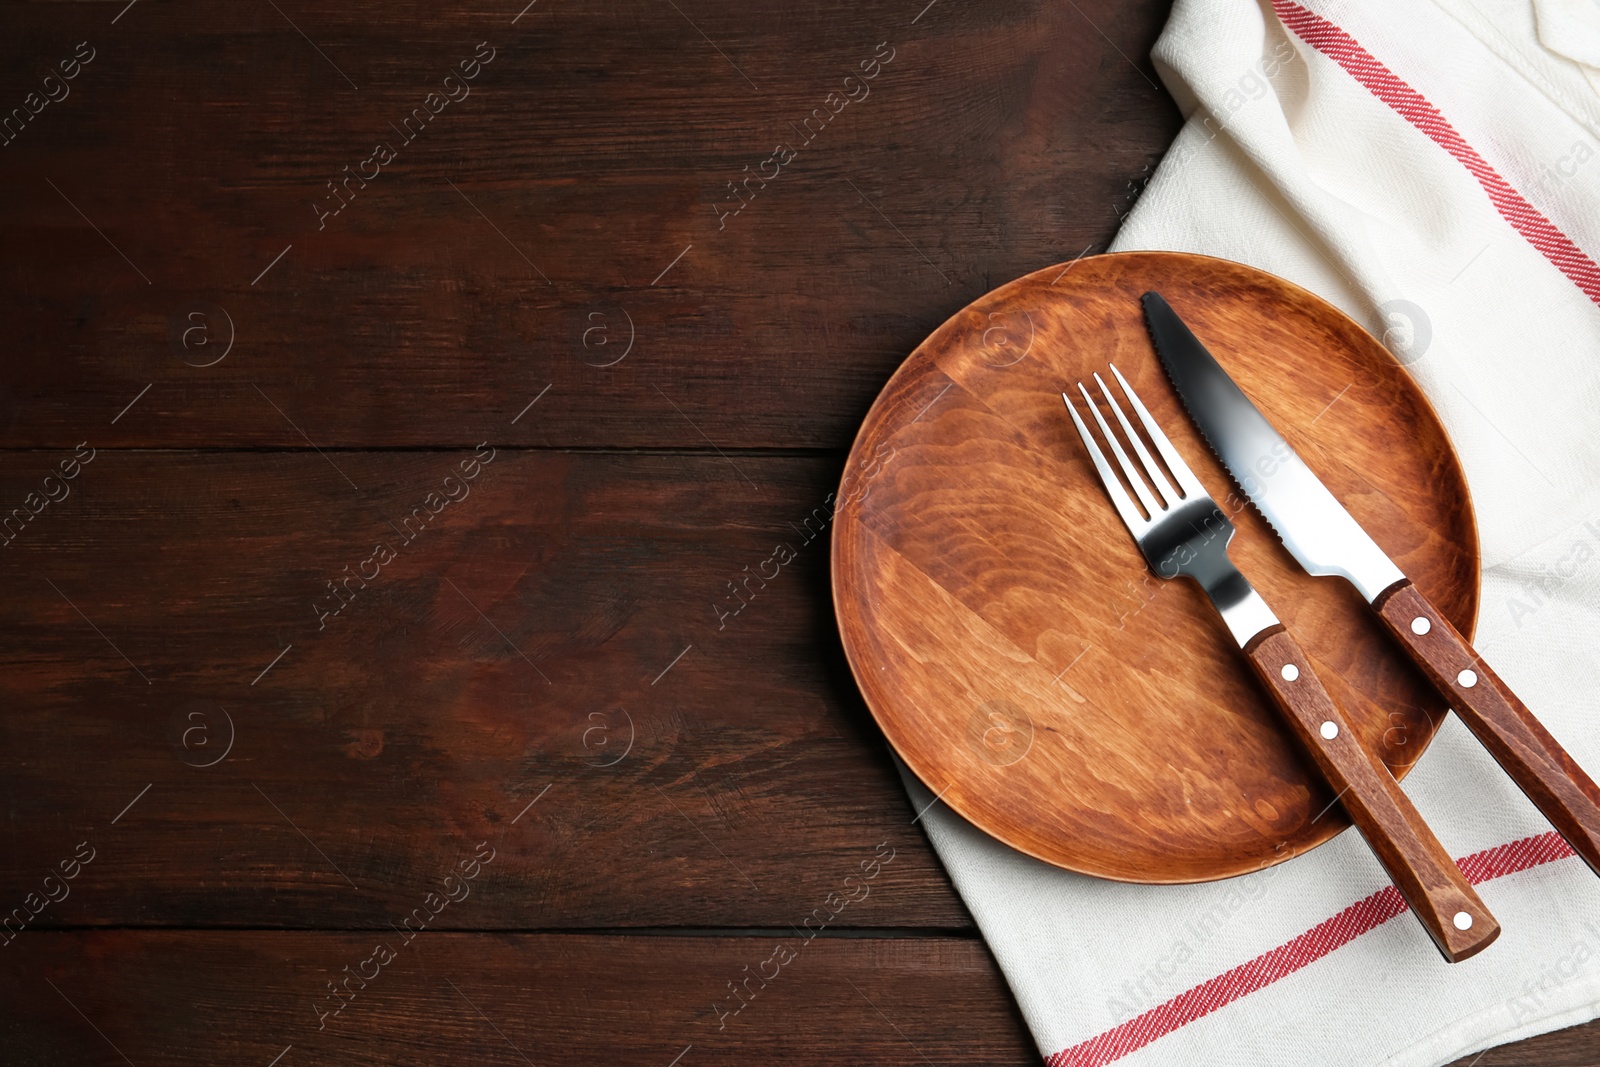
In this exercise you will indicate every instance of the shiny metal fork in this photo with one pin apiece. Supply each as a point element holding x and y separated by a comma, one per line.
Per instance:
<point>1183,533</point>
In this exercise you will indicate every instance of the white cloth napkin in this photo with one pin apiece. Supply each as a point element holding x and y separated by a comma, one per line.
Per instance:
<point>1432,167</point>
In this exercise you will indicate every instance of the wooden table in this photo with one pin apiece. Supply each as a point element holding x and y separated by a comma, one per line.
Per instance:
<point>394,395</point>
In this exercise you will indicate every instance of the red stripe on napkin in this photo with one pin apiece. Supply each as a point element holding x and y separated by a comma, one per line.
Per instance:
<point>1411,105</point>
<point>1366,914</point>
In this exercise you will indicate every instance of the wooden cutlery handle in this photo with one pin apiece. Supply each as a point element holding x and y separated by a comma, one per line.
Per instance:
<point>1516,739</point>
<point>1422,870</point>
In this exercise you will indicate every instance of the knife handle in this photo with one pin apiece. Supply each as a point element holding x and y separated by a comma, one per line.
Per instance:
<point>1439,894</point>
<point>1516,739</point>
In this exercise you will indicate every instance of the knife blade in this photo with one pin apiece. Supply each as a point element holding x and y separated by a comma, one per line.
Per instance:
<point>1327,540</point>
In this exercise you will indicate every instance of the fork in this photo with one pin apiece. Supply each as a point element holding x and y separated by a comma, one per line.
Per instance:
<point>1183,533</point>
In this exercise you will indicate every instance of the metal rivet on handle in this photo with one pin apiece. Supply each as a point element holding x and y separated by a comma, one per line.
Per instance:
<point>1463,921</point>
<point>1467,679</point>
<point>1290,672</point>
<point>1330,730</point>
<point>1420,625</point>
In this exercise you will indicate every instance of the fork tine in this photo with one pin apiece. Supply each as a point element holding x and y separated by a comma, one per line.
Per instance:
<point>1180,470</point>
<point>1150,506</point>
<point>1135,522</point>
<point>1162,486</point>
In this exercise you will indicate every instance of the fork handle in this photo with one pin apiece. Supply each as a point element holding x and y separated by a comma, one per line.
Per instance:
<point>1430,881</point>
<point>1516,739</point>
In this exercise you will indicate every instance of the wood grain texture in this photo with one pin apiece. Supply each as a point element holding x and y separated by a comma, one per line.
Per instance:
<point>1012,642</point>
<point>526,233</point>
<point>1440,896</point>
<point>733,784</point>
<point>1519,742</point>
<point>507,258</point>
<point>198,998</point>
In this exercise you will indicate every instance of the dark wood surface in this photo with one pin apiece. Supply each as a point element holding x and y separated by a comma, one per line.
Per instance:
<point>591,152</point>
<point>194,997</point>
<point>521,635</point>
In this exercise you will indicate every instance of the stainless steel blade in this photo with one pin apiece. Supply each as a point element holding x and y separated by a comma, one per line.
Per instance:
<point>1313,525</point>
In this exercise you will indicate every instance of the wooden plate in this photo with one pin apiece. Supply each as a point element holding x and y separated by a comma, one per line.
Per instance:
<point>1003,626</point>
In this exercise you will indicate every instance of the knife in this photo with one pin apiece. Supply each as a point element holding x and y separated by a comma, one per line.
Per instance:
<point>1326,540</point>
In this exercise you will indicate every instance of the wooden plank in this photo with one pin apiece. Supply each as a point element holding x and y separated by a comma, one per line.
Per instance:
<point>533,227</point>
<point>506,654</point>
<point>144,997</point>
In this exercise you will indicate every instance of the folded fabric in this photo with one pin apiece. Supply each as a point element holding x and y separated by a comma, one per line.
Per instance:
<point>1433,168</point>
